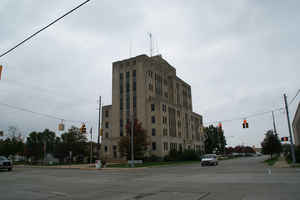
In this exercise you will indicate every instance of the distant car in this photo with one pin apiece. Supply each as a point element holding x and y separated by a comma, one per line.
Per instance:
<point>209,159</point>
<point>5,163</point>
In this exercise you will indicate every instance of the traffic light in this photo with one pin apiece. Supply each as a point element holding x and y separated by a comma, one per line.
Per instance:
<point>220,125</point>
<point>1,67</point>
<point>83,129</point>
<point>245,124</point>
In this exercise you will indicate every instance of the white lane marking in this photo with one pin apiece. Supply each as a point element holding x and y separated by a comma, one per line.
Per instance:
<point>269,171</point>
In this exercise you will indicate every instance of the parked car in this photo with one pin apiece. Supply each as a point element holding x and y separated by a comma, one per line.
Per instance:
<point>5,163</point>
<point>209,159</point>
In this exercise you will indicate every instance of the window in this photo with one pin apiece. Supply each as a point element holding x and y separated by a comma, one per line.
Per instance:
<point>127,87</point>
<point>121,76</point>
<point>164,108</point>
<point>121,132</point>
<point>134,73</point>
<point>134,62</point>
<point>166,146</point>
<point>106,125</point>
<point>178,113</point>
<point>164,121</point>
<point>166,95</point>
<point>153,132</point>
<point>106,135</point>
<point>121,103</point>
<point>127,75</point>
<point>121,123</point>
<point>127,102</point>
<point>134,101</point>
<point>121,88</point>
<point>106,113</point>
<point>153,119</point>
<point>105,148</point>
<point>153,146</point>
<point>150,87</point>
<point>134,86</point>
<point>165,132</point>
<point>179,134</point>
<point>179,124</point>
<point>152,107</point>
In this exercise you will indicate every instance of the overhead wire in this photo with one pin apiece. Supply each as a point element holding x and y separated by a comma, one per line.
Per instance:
<point>294,97</point>
<point>45,27</point>
<point>40,113</point>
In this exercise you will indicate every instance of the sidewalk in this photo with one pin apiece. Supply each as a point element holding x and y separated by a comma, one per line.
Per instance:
<point>78,166</point>
<point>281,163</point>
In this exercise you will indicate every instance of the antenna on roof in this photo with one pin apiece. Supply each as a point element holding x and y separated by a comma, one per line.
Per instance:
<point>151,49</point>
<point>130,48</point>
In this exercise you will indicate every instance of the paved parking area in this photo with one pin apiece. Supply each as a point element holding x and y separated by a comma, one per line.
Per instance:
<point>245,178</point>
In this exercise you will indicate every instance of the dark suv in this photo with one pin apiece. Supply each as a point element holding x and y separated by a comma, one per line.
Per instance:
<point>5,163</point>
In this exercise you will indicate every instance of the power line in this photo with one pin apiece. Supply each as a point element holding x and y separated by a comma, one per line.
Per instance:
<point>294,97</point>
<point>39,113</point>
<point>245,117</point>
<point>253,115</point>
<point>34,34</point>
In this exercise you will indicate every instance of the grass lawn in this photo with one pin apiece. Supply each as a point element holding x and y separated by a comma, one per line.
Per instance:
<point>272,161</point>
<point>154,164</point>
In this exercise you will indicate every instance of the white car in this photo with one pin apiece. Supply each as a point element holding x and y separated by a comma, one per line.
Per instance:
<point>209,159</point>
<point>5,163</point>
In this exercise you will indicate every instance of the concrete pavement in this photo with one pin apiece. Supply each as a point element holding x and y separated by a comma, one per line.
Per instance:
<point>245,178</point>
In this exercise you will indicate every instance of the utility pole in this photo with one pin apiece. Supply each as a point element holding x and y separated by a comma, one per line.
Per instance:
<point>99,126</point>
<point>290,130</point>
<point>131,139</point>
<point>91,154</point>
<point>274,125</point>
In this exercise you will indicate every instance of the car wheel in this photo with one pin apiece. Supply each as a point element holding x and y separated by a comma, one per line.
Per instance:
<point>9,169</point>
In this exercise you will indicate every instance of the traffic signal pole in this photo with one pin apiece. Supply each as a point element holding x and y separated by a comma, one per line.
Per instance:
<point>131,139</point>
<point>274,125</point>
<point>290,130</point>
<point>99,126</point>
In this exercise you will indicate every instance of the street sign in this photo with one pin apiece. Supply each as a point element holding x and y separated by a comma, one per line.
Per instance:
<point>135,161</point>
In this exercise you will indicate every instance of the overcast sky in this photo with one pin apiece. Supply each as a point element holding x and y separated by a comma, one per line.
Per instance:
<point>238,56</point>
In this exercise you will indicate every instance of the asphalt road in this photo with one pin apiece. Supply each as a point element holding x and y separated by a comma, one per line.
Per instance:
<point>245,178</point>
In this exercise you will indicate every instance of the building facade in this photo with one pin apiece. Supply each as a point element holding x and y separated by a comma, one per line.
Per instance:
<point>147,89</point>
<point>296,126</point>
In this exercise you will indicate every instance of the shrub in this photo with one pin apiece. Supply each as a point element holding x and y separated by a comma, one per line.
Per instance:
<point>186,155</point>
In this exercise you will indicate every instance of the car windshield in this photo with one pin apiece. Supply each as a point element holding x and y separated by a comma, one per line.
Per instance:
<point>209,156</point>
<point>2,158</point>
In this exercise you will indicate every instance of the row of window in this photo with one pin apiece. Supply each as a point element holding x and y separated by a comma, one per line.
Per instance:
<point>164,107</point>
<point>115,147</point>
<point>128,63</point>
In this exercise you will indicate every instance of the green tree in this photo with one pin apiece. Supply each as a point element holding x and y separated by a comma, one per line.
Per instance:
<point>140,142</point>
<point>271,144</point>
<point>39,143</point>
<point>215,140</point>
<point>13,144</point>
<point>73,141</point>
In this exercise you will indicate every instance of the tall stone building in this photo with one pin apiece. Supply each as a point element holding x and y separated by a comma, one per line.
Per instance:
<point>148,89</point>
<point>296,126</point>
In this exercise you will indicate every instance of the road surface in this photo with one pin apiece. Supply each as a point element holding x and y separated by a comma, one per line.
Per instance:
<point>242,179</point>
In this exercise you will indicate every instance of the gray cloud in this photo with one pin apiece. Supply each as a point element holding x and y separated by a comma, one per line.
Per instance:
<point>238,56</point>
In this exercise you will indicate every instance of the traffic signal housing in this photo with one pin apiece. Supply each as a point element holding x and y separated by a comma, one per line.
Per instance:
<point>245,124</point>
<point>83,129</point>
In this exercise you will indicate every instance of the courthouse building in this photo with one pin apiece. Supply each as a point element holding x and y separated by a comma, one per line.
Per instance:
<point>148,89</point>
